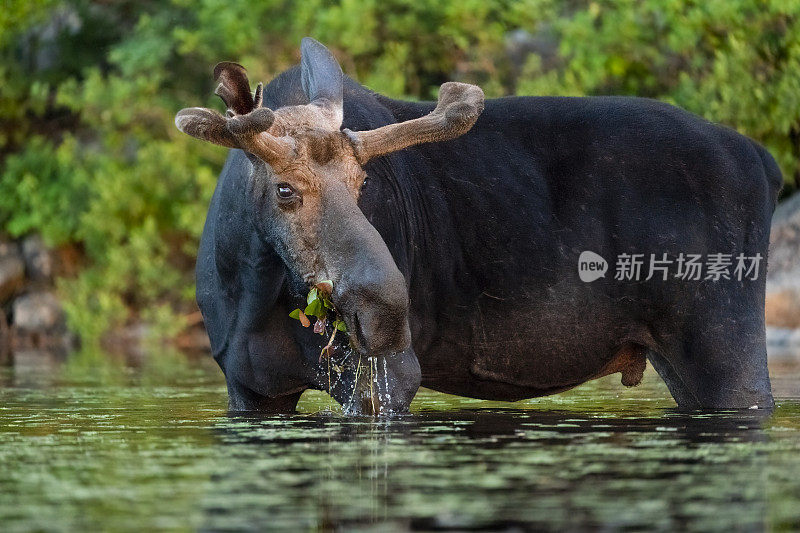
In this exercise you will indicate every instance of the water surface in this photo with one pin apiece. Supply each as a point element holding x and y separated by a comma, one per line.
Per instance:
<point>143,449</point>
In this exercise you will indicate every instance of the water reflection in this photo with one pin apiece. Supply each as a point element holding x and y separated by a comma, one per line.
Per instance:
<point>98,448</point>
<point>494,469</point>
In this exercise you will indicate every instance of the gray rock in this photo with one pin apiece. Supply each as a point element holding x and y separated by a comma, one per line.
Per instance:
<point>521,46</point>
<point>38,312</point>
<point>12,270</point>
<point>37,368</point>
<point>783,272</point>
<point>38,259</point>
<point>784,245</point>
<point>783,345</point>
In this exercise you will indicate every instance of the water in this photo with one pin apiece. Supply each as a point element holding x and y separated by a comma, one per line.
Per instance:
<point>88,448</point>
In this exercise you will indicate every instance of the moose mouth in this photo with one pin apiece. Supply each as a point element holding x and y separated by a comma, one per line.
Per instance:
<point>364,384</point>
<point>372,298</point>
<point>359,368</point>
<point>374,326</point>
<point>376,337</point>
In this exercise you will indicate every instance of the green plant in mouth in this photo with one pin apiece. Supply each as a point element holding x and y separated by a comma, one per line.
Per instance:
<point>319,305</point>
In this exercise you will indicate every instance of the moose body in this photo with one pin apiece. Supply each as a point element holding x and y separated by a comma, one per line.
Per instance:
<point>484,232</point>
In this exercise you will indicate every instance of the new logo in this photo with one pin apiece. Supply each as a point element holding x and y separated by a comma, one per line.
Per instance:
<point>591,266</point>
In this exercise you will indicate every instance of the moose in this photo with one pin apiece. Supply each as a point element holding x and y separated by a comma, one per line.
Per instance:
<point>446,236</point>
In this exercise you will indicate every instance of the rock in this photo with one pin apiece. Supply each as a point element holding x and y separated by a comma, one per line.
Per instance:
<point>782,308</point>
<point>127,341</point>
<point>543,42</point>
<point>784,246</point>
<point>38,323</point>
<point>39,264</point>
<point>37,368</point>
<point>521,44</point>
<point>38,312</point>
<point>194,339</point>
<point>12,270</point>
<point>783,345</point>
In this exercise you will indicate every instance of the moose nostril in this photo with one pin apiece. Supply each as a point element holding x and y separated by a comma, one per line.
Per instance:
<point>359,330</point>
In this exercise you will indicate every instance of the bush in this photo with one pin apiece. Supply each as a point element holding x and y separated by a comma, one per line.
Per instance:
<point>88,91</point>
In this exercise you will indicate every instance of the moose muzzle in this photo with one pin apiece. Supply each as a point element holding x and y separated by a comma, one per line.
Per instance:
<point>370,291</point>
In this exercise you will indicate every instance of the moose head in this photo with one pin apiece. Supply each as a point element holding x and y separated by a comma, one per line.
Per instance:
<point>307,174</point>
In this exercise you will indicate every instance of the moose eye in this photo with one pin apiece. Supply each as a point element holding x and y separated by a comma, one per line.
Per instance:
<point>285,191</point>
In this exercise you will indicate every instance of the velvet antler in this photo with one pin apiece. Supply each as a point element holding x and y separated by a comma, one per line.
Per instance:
<point>458,108</point>
<point>246,124</point>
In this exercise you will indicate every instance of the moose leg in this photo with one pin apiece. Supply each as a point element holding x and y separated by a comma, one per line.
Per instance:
<point>680,393</point>
<point>241,398</point>
<point>723,363</point>
<point>729,372</point>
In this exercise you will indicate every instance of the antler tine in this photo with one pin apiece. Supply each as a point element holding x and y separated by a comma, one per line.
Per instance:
<point>245,125</point>
<point>256,121</point>
<point>258,99</point>
<point>206,124</point>
<point>234,87</point>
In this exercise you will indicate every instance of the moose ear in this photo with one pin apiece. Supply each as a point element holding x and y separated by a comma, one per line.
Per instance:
<point>321,76</point>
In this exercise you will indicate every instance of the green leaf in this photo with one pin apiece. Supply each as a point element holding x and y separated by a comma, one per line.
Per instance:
<point>315,308</point>
<point>312,296</point>
<point>295,314</point>
<point>340,325</point>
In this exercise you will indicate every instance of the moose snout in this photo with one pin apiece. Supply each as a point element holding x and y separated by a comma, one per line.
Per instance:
<point>370,291</point>
<point>375,303</point>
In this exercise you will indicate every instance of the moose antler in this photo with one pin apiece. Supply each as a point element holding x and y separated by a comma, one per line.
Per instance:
<point>246,124</point>
<point>234,88</point>
<point>458,108</point>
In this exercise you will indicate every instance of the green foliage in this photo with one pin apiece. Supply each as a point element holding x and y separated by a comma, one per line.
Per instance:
<point>732,61</point>
<point>318,304</point>
<point>90,157</point>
